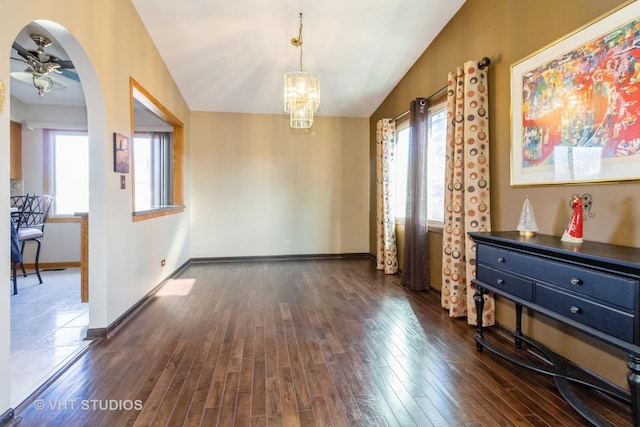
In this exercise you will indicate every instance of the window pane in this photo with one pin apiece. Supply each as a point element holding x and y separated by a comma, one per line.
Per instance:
<point>153,163</point>
<point>142,164</point>
<point>70,170</point>
<point>402,159</point>
<point>436,156</point>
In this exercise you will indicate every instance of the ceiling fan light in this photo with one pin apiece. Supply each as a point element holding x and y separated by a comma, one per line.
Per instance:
<point>43,84</point>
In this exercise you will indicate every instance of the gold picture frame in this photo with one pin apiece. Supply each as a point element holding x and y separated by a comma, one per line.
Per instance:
<point>575,105</point>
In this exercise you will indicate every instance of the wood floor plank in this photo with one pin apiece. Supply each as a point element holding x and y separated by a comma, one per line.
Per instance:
<point>288,398</point>
<point>229,400</point>
<point>196,409</point>
<point>331,396</point>
<point>259,390</point>
<point>189,389</point>
<point>242,416</point>
<point>303,397</point>
<point>216,388</point>
<point>303,342</point>
<point>273,401</point>
<point>248,357</point>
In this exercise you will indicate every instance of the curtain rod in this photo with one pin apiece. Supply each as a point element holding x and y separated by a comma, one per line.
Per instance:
<point>399,116</point>
<point>482,64</point>
<point>436,93</point>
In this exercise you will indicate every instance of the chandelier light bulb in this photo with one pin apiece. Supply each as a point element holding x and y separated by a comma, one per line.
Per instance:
<point>301,91</point>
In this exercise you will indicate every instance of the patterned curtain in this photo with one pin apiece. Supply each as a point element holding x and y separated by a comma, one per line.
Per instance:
<point>415,268</point>
<point>387,252</point>
<point>466,201</point>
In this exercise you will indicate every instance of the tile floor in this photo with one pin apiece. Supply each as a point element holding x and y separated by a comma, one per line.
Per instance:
<point>48,327</point>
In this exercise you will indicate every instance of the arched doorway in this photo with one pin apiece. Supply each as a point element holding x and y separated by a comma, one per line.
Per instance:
<point>95,126</point>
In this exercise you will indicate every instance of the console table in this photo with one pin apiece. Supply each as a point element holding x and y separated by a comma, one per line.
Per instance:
<point>593,287</point>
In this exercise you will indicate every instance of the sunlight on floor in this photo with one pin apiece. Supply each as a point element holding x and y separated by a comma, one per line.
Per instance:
<point>48,327</point>
<point>176,287</point>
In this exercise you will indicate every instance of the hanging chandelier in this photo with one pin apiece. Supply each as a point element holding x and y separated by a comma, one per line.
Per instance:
<point>301,91</point>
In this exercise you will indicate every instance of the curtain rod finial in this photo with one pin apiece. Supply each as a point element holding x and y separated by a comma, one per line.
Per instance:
<point>484,62</point>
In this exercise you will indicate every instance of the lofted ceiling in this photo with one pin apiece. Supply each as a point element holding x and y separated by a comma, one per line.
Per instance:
<point>230,56</point>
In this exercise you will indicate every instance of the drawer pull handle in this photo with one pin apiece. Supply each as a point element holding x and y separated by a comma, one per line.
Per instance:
<point>500,259</point>
<point>576,281</point>
<point>575,310</point>
<point>500,282</point>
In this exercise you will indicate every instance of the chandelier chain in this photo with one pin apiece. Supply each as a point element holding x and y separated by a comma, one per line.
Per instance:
<point>297,42</point>
<point>300,38</point>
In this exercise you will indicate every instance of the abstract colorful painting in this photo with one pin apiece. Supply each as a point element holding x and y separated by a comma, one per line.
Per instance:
<point>575,106</point>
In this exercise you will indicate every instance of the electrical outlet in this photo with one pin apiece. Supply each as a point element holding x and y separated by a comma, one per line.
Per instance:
<point>162,262</point>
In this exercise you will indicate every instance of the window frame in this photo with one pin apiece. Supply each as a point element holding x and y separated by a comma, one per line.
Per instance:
<point>138,93</point>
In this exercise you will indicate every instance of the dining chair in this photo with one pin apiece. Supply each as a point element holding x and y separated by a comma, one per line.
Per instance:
<point>16,255</point>
<point>18,201</point>
<point>30,226</point>
<point>17,204</point>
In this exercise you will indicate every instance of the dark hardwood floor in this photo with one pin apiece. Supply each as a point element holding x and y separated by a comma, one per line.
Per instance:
<point>287,343</point>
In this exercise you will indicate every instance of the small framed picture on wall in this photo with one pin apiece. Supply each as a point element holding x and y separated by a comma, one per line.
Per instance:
<point>120,153</point>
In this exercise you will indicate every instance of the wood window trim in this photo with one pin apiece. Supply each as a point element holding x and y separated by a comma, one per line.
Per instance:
<point>139,93</point>
<point>155,213</point>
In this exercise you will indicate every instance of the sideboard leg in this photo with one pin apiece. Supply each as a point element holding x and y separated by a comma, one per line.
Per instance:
<point>634,386</point>
<point>479,300</point>
<point>518,332</point>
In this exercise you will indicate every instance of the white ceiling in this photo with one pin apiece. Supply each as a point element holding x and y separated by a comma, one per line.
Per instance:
<point>231,56</point>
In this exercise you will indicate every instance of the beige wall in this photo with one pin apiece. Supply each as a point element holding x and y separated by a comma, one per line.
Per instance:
<point>507,31</point>
<point>259,188</point>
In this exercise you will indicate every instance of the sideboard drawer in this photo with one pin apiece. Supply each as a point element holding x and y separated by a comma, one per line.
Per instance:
<point>605,287</point>
<point>505,282</point>
<point>608,320</point>
<point>508,260</point>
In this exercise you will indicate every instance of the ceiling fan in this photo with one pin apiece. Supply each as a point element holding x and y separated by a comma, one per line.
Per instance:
<point>41,64</point>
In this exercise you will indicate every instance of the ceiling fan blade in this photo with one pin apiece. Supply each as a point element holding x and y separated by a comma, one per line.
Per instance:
<point>23,52</point>
<point>47,58</point>
<point>24,61</point>
<point>69,74</point>
<point>64,63</point>
<point>35,57</point>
